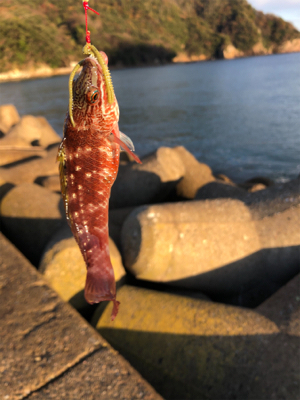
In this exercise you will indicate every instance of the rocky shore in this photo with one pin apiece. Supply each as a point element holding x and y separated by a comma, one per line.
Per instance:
<point>207,270</point>
<point>230,52</point>
<point>43,71</point>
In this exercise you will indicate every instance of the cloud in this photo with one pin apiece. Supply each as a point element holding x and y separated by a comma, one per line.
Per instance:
<point>289,10</point>
<point>275,4</point>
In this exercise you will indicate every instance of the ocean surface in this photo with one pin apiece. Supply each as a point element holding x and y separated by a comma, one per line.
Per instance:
<point>241,117</point>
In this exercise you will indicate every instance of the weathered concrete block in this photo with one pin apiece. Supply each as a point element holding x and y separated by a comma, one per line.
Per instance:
<point>284,308</point>
<point>104,375</point>
<point>149,182</point>
<point>195,176</point>
<point>250,184</point>
<point>216,246</point>
<point>29,216</point>
<point>29,171</point>
<point>274,199</point>
<point>115,223</point>
<point>175,241</point>
<point>9,116</point>
<point>40,335</point>
<point>11,154</point>
<point>262,203</point>
<point>224,178</point>
<point>50,182</point>
<point>47,350</point>
<point>220,190</point>
<point>48,135</point>
<point>193,349</point>
<point>32,129</point>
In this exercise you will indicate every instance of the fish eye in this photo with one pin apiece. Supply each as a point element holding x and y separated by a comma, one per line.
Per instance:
<point>93,96</point>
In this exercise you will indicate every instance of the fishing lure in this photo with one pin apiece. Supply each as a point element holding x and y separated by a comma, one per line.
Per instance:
<point>88,164</point>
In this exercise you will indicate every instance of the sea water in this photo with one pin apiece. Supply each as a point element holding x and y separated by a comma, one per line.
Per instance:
<point>241,117</point>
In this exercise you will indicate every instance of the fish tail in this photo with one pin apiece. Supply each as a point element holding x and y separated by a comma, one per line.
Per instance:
<point>98,289</point>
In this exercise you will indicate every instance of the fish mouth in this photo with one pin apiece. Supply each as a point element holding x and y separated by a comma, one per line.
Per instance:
<point>92,66</point>
<point>90,63</point>
<point>90,72</point>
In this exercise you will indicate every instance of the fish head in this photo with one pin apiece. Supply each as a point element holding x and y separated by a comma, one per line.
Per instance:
<point>93,102</point>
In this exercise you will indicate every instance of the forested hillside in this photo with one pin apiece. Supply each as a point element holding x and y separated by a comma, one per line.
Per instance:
<point>133,32</point>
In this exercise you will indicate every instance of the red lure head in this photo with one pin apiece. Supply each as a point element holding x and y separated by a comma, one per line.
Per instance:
<point>90,99</point>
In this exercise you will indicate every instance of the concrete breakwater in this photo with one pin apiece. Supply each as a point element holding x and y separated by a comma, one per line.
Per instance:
<point>191,251</point>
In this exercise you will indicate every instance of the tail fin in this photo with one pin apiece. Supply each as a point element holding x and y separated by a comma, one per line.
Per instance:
<point>101,286</point>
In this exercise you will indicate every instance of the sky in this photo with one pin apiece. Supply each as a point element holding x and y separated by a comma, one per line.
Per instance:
<point>289,10</point>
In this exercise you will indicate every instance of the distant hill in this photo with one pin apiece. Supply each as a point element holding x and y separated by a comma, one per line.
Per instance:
<point>135,32</point>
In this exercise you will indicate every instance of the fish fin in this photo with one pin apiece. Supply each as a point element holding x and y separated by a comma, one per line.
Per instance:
<point>96,290</point>
<point>125,142</point>
<point>61,158</point>
<point>126,139</point>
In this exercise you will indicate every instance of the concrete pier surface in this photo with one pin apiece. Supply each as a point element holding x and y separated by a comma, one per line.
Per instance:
<point>47,350</point>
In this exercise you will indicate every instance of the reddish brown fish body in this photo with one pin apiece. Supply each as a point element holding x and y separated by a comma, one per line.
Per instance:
<point>91,161</point>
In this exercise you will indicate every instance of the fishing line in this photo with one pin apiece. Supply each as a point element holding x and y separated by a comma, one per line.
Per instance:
<point>86,7</point>
<point>89,49</point>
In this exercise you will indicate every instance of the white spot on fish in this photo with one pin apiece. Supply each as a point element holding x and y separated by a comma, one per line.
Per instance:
<point>76,155</point>
<point>79,187</point>
<point>151,215</point>
<point>77,168</point>
<point>99,229</point>
<point>92,207</point>
<point>170,248</point>
<point>74,195</point>
<point>76,214</point>
<point>88,149</point>
<point>72,176</point>
<point>88,174</point>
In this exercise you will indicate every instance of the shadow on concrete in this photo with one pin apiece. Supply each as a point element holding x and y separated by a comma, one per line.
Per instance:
<point>134,187</point>
<point>194,367</point>
<point>262,203</point>
<point>30,235</point>
<point>249,281</point>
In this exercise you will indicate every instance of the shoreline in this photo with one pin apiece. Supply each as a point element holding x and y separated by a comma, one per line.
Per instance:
<point>230,53</point>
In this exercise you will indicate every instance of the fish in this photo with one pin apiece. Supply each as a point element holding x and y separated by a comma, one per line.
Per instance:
<point>88,164</point>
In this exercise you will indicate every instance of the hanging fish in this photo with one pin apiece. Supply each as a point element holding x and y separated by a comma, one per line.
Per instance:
<point>89,160</point>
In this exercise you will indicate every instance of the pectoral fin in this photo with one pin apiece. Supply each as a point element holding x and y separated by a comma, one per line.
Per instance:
<point>125,142</point>
<point>61,158</point>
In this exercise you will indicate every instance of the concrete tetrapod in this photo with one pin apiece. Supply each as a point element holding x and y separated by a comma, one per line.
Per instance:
<point>30,215</point>
<point>215,246</point>
<point>193,349</point>
<point>29,171</point>
<point>32,129</point>
<point>11,154</point>
<point>195,176</point>
<point>149,182</point>
<point>9,116</point>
